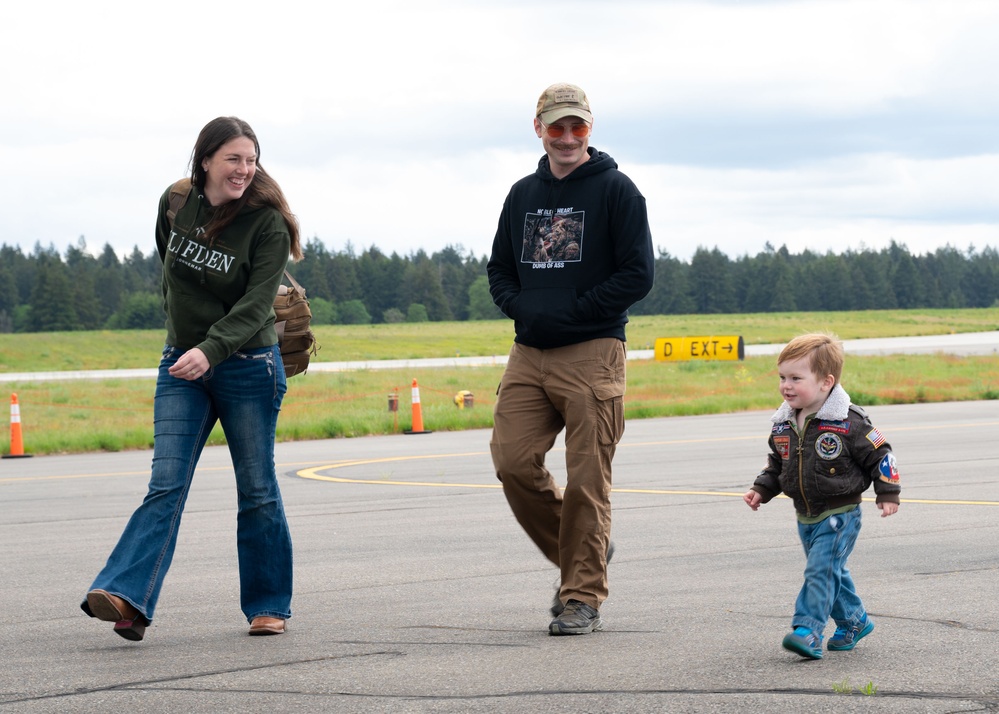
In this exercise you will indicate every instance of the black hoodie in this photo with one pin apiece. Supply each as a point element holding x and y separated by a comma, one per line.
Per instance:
<point>571,255</point>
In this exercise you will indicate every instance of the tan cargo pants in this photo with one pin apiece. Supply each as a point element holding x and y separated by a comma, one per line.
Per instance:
<point>579,388</point>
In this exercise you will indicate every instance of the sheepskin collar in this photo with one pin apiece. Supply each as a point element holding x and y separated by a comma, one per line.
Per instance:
<point>835,408</point>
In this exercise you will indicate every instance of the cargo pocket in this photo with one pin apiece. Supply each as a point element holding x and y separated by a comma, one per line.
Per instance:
<point>609,410</point>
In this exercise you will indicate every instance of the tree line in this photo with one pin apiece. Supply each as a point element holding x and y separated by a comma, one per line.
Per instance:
<point>45,291</point>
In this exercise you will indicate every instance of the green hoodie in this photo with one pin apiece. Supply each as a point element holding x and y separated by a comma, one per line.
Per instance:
<point>219,293</point>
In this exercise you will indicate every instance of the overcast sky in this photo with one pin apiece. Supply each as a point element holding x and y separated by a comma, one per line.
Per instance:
<point>825,124</point>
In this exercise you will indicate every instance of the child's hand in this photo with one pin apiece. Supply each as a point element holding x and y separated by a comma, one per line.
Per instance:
<point>888,509</point>
<point>752,499</point>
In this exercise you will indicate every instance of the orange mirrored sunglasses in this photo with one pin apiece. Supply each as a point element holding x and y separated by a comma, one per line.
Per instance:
<point>580,130</point>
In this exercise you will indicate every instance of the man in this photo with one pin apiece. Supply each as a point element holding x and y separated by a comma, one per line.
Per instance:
<point>572,253</point>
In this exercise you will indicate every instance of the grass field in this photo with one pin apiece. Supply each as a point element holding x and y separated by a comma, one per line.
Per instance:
<point>116,414</point>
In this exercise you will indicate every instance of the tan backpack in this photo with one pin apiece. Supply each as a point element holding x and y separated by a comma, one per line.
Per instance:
<point>292,314</point>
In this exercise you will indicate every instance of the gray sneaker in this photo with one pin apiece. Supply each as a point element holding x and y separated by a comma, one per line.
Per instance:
<point>846,638</point>
<point>557,606</point>
<point>577,618</point>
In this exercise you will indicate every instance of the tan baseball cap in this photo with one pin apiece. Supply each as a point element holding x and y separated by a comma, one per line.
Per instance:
<point>563,100</point>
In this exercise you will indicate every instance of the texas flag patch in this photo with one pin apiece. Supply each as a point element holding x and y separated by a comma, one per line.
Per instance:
<point>874,436</point>
<point>888,469</point>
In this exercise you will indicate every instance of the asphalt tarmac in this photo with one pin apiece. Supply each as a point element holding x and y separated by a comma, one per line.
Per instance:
<point>416,591</point>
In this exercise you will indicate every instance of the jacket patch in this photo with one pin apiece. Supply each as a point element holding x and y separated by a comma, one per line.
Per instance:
<point>780,428</point>
<point>840,427</point>
<point>783,446</point>
<point>828,446</point>
<point>874,436</point>
<point>888,469</point>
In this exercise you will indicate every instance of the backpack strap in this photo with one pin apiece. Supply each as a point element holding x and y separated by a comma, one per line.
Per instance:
<point>294,283</point>
<point>179,193</point>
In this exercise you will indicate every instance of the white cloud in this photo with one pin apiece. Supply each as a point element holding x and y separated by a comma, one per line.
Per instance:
<point>402,126</point>
<point>386,204</point>
<point>842,204</point>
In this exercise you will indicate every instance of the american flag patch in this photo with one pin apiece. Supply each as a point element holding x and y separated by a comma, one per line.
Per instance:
<point>874,436</point>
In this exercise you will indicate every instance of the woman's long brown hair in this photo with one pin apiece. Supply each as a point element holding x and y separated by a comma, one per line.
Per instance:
<point>262,191</point>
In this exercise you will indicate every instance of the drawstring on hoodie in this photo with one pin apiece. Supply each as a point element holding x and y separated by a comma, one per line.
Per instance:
<point>549,206</point>
<point>197,222</point>
<point>200,199</point>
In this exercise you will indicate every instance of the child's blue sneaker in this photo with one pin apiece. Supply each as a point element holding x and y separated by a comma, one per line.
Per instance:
<point>846,638</point>
<point>804,642</point>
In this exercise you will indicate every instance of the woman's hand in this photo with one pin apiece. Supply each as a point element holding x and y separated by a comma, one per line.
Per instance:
<point>191,365</point>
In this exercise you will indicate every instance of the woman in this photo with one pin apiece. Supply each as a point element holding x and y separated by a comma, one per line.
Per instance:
<point>223,253</point>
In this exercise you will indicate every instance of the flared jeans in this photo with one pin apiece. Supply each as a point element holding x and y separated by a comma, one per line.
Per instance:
<point>244,394</point>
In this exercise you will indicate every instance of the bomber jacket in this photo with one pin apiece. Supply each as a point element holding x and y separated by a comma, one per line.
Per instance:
<point>571,255</point>
<point>836,457</point>
<point>219,292</point>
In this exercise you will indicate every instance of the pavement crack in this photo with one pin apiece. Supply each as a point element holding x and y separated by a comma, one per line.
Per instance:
<point>946,623</point>
<point>940,573</point>
<point>149,683</point>
<point>417,643</point>
<point>956,624</point>
<point>988,701</point>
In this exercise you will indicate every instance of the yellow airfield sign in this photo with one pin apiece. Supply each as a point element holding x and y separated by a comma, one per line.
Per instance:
<point>678,349</point>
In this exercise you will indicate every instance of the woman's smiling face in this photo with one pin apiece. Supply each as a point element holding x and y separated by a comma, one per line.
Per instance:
<point>230,170</point>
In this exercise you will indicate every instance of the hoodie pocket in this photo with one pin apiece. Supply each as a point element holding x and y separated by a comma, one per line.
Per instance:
<point>546,313</point>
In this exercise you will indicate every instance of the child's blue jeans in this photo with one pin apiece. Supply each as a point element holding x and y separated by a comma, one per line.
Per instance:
<point>828,590</point>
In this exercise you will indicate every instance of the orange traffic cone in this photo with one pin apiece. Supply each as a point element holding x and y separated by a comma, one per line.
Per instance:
<point>16,439</point>
<point>417,413</point>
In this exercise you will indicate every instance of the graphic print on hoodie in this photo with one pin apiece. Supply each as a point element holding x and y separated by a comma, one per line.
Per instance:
<point>554,238</point>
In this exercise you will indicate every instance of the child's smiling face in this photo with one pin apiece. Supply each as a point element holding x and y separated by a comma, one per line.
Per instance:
<point>801,388</point>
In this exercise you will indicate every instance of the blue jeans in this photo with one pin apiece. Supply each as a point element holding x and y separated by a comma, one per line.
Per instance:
<point>244,393</point>
<point>828,590</point>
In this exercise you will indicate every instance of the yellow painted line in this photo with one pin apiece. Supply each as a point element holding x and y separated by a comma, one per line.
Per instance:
<point>763,439</point>
<point>936,502</point>
<point>313,474</point>
<point>668,492</point>
<point>390,459</point>
<point>377,482</point>
<point>945,502</point>
<point>362,462</point>
<point>72,476</point>
<point>114,474</point>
